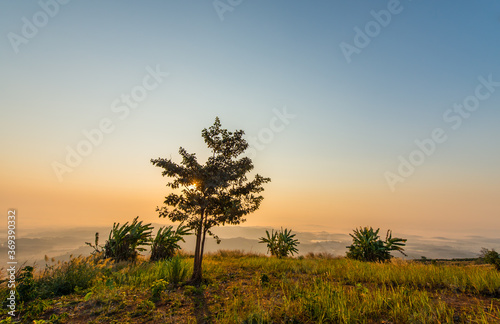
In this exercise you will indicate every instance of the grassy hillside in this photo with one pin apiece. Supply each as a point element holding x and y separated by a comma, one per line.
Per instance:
<point>246,288</point>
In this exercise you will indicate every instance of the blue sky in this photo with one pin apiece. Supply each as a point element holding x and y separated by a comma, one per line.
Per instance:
<point>352,120</point>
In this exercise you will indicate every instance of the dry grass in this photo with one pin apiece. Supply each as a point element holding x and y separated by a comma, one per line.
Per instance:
<point>251,288</point>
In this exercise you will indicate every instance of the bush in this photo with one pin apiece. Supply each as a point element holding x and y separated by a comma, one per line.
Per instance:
<point>281,243</point>
<point>65,278</point>
<point>26,284</point>
<point>176,270</point>
<point>165,243</point>
<point>367,245</point>
<point>491,257</point>
<point>157,288</point>
<point>124,242</point>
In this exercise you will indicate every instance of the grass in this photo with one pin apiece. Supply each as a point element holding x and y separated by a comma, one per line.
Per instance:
<point>251,288</point>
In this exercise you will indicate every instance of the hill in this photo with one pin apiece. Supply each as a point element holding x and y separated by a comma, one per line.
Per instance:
<point>60,244</point>
<point>252,288</point>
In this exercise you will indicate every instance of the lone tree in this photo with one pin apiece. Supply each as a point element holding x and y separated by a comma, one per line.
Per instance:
<point>211,194</point>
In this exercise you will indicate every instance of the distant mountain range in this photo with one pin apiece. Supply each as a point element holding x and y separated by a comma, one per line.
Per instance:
<point>60,244</point>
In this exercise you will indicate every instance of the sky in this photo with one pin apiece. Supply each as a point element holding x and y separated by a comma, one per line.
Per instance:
<point>363,113</point>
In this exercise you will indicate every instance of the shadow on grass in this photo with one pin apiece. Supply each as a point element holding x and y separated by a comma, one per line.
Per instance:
<point>200,306</point>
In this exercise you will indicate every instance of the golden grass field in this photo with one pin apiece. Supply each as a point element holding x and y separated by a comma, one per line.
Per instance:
<point>249,288</point>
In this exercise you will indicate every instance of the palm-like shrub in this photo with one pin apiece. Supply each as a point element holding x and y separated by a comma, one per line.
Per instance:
<point>176,270</point>
<point>125,241</point>
<point>367,245</point>
<point>166,242</point>
<point>280,244</point>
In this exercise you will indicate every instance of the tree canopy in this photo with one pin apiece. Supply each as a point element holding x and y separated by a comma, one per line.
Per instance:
<point>215,193</point>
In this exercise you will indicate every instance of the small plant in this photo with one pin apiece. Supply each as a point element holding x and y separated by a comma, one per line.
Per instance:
<point>68,277</point>
<point>143,308</point>
<point>367,245</point>
<point>264,279</point>
<point>176,270</point>
<point>165,243</point>
<point>490,257</point>
<point>124,241</point>
<point>193,290</point>
<point>97,248</point>
<point>157,288</point>
<point>35,309</point>
<point>362,290</point>
<point>26,284</point>
<point>280,244</point>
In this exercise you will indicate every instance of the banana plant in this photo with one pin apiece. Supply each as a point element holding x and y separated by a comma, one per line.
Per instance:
<point>367,245</point>
<point>394,244</point>
<point>280,244</point>
<point>126,241</point>
<point>165,243</point>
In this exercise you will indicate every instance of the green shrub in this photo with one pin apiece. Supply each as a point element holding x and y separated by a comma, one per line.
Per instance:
<point>192,290</point>
<point>165,243</point>
<point>281,243</point>
<point>157,288</point>
<point>145,307</point>
<point>26,284</point>
<point>65,278</point>
<point>124,241</point>
<point>367,245</point>
<point>491,257</point>
<point>176,271</point>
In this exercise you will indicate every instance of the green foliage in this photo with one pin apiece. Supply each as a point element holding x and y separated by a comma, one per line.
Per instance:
<point>264,279</point>
<point>491,257</point>
<point>26,287</point>
<point>367,245</point>
<point>212,194</point>
<point>176,271</point>
<point>67,277</point>
<point>281,243</point>
<point>143,308</point>
<point>125,241</point>
<point>34,310</point>
<point>157,288</point>
<point>97,248</point>
<point>165,243</point>
<point>192,290</point>
<point>272,290</point>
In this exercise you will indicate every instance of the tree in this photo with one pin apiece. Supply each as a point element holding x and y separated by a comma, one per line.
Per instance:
<point>490,257</point>
<point>367,245</point>
<point>211,194</point>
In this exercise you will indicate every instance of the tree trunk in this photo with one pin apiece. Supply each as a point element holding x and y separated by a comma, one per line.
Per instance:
<point>202,248</point>
<point>196,277</point>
